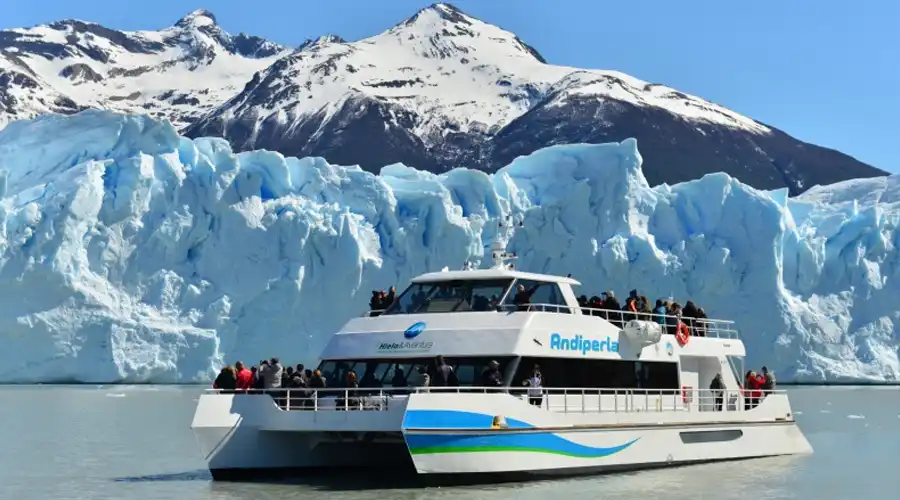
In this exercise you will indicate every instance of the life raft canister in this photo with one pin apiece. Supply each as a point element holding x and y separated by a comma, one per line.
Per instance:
<point>683,335</point>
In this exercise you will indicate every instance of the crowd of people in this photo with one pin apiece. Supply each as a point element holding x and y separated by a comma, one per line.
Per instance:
<point>268,374</point>
<point>666,312</point>
<point>755,387</point>
<point>381,300</point>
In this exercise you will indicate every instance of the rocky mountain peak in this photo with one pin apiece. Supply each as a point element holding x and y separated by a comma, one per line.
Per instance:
<point>197,19</point>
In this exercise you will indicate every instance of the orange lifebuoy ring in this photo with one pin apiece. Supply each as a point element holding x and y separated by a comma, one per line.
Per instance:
<point>683,335</point>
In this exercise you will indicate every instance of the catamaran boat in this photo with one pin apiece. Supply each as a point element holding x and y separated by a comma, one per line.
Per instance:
<point>615,392</point>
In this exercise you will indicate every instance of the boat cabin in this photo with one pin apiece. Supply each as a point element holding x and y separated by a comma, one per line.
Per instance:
<point>472,317</point>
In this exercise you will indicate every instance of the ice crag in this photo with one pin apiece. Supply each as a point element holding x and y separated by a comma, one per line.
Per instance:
<point>128,253</point>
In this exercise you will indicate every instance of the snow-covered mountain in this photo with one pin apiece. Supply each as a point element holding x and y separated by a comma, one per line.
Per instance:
<point>177,73</point>
<point>131,254</point>
<point>437,91</point>
<point>443,89</point>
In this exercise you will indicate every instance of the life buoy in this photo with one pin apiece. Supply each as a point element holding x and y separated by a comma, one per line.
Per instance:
<point>686,395</point>
<point>683,335</point>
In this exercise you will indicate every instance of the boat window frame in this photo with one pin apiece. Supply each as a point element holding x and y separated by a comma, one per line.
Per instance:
<point>507,303</point>
<point>479,363</point>
<point>395,308</point>
<point>583,367</point>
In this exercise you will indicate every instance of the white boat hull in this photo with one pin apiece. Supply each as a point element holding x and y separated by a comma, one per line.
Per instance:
<point>245,436</point>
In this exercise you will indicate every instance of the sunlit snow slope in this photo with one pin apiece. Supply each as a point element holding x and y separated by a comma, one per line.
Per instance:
<point>128,253</point>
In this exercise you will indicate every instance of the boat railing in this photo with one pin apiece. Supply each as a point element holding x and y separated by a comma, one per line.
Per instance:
<point>699,327</point>
<point>558,400</point>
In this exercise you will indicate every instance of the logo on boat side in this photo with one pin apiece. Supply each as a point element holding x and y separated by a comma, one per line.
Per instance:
<point>581,344</point>
<point>407,346</point>
<point>414,330</point>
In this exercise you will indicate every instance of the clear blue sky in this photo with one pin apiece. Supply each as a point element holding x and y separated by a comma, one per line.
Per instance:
<point>825,71</point>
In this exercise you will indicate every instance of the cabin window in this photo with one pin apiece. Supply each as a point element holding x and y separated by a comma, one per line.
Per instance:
<point>450,296</point>
<point>737,366</point>
<point>545,296</point>
<point>376,373</point>
<point>601,373</point>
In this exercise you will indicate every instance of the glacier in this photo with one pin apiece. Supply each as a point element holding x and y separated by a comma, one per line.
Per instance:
<point>131,254</point>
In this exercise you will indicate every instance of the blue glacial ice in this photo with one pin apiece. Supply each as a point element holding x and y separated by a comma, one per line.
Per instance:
<point>131,254</point>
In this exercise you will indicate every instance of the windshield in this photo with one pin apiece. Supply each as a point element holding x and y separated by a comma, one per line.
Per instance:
<point>451,296</point>
<point>377,373</point>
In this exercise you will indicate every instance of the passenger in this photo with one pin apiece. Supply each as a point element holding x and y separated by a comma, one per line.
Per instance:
<point>752,390</point>
<point>369,380</point>
<point>256,379</point>
<point>701,321</point>
<point>260,380</point>
<point>298,383</point>
<point>418,299</point>
<point>674,315</point>
<point>420,378</point>
<point>351,399</point>
<point>646,312</point>
<point>481,303</point>
<point>226,381</point>
<point>717,388</point>
<point>286,377</point>
<point>661,312</point>
<point>491,376</point>
<point>689,313</point>
<point>300,378</point>
<point>596,306</point>
<point>375,303</point>
<point>317,381</point>
<point>535,385</point>
<point>244,377</point>
<point>768,378</point>
<point>271,374</point>
<point>582,301</point>
<point>389,298</point>
<point>399,378</point>
<point>611,308</point>
<point>629,310</point>
<point>444,375</point>
<point>523,297</point>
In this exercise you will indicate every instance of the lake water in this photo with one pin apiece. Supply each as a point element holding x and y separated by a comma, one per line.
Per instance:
<point>135,443</point>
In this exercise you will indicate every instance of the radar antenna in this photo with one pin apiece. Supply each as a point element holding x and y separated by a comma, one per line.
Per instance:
<point>505,232</point>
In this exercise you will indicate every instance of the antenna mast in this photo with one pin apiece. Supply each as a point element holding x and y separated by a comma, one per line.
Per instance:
<point>498,247</point>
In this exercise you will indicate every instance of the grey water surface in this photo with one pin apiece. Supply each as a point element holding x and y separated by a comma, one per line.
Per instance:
<point>127,442</point>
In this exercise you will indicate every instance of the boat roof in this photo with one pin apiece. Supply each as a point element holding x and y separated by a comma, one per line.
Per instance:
<point>487,274</point>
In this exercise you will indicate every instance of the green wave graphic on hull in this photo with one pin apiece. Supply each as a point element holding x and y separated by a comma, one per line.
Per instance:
<point>547,443</point>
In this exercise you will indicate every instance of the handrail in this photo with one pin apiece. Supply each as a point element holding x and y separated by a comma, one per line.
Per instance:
<point>702,327</point>
<point>560,400</point>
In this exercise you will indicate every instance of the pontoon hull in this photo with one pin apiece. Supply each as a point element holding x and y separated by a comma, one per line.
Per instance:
<point>249,436</point>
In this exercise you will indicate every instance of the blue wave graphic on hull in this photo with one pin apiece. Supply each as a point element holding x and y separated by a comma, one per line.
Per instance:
<point>453,419</point>
<point>493,440</point>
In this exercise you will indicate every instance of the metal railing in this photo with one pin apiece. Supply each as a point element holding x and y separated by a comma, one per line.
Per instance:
<point>699,327</point>
<point>558,400</point>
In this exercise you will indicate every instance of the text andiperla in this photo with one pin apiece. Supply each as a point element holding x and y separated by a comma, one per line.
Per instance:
<point>584,345</point>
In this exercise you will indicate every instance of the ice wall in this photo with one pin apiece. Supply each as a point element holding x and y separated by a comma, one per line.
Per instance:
<point>128,253</point>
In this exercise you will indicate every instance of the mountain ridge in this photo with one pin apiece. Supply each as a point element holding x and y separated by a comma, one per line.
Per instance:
<point>438,90</point>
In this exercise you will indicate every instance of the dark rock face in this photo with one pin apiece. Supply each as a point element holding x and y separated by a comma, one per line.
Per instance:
<point>365,132</point>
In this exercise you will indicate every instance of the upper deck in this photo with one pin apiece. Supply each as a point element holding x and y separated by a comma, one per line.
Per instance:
<point>491,274</point>
<point>503,311</point>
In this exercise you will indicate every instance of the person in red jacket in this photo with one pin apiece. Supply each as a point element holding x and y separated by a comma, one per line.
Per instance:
<point>753,390</point>
<point>244,377</point>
